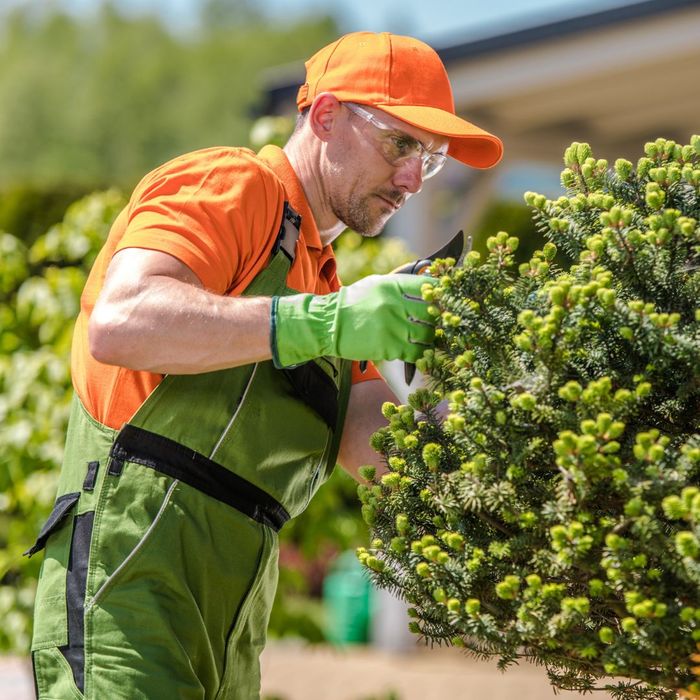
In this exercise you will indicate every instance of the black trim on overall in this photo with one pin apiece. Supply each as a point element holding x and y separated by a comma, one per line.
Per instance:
<point>76,579</point>
<point>316,389</point>
<point>168,457</point>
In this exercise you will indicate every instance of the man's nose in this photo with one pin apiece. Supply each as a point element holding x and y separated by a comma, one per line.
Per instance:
<point>409,175</point>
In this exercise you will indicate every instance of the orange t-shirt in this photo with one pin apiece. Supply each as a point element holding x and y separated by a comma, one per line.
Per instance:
<point>218,211</point>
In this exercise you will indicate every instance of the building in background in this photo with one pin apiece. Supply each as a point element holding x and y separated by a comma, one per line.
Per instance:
<point>615,78</point>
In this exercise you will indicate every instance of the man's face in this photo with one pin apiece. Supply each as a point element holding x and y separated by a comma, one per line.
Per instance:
<point>376,164</point>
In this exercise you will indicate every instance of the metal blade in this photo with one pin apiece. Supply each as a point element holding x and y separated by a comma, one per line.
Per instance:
<point>454,248</point>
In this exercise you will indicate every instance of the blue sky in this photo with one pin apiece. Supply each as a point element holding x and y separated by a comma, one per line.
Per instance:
<point>439,21</point>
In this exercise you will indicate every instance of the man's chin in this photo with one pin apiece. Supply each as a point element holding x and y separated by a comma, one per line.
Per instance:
<point>375,228</point>
<point>366,226</point>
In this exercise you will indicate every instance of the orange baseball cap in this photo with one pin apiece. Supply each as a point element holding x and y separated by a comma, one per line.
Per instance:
<point>403,77</point>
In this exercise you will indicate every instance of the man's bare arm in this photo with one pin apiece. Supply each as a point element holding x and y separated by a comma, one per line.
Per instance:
<point>153,314</point>
<point>364,417</point>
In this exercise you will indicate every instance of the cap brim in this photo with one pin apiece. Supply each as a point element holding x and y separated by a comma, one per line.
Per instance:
<point>468,143</point>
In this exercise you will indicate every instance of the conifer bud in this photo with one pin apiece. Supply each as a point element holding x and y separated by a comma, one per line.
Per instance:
<point>402,523</point>
<point>398,545</point>
<point>431,455</point>
<point>389,409</point>
<point>687,544</point>
<point>472,607</point>
<point>606,635</point>
<point>643,167</point>
<point>453,605</point>
<point>367,472</point>
<point>533,581</point>
<point>472,259</point>
<point>583,152</point>
<point>423,569</point>
<point>377,441</point>
<point>651,149</point>
<point>439,595</point>
<point>369,514</point>
<point>549,251</point>
<point>628,624</point>
<point>596,587</point>
<point>410,442</point>
<point>571,391</point>
<point>508,588</point>
<point>623,169</point>
<point>391,480</point>
<point>570,155</point>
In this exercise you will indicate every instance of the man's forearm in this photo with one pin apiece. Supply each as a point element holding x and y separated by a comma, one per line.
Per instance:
<point>363,419</point>
<point>171,325</point>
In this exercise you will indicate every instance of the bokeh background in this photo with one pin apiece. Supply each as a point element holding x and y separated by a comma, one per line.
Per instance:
<point>93,95</point>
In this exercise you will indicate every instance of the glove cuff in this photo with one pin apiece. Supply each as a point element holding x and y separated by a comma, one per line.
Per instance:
<point>301,328</point>
<point>273,333</point>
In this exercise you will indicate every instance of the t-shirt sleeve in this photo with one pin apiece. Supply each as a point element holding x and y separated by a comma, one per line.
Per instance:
<point>215,210</point>
<point>370,373</point>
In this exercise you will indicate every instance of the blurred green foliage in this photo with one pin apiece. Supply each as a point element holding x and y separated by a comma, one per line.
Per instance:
<point>100,100</point>
<point>29,210</point>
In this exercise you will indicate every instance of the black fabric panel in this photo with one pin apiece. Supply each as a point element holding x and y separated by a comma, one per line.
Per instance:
<point>168,457</point>
<point>61,508</point>
<point>316,389</point>
<point>91,476</point>
<point>76,578</point>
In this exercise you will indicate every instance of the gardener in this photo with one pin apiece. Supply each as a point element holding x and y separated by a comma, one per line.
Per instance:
<point>212,369</point>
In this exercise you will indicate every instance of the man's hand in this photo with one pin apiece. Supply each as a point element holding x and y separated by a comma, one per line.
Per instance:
<point>381,317</point>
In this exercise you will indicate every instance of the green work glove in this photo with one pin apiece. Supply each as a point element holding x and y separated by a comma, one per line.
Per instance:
<point>381,317</point>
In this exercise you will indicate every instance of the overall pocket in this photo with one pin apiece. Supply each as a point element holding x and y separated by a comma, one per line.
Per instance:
<point>60,600</point>
<point>50,612</point>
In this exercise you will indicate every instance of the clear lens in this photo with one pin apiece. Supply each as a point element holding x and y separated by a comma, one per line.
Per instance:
<point>433,164</point>
<point>397,146</point>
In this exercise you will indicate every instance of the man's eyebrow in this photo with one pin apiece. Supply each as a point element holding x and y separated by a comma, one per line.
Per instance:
<point>398,130</point>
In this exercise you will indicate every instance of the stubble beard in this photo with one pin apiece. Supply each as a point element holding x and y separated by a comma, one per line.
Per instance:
<point>356,214</point>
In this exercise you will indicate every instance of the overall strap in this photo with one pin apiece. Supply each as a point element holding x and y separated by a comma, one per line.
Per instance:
<point>289,233</point>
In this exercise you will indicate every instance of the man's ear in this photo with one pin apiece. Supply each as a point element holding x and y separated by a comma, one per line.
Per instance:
<point>324,113</point>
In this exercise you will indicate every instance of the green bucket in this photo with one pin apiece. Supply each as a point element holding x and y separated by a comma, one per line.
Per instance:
<point>347,593</point>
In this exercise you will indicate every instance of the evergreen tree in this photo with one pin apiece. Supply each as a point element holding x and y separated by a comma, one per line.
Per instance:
<point>554,514</point>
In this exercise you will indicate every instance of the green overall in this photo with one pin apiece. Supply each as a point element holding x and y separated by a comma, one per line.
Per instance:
<point>161,550</point>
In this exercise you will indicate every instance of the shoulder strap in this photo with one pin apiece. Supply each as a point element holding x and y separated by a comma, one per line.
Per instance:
<point>288,234</point>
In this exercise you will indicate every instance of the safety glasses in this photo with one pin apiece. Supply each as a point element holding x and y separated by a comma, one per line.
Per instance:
<point>397,146</point>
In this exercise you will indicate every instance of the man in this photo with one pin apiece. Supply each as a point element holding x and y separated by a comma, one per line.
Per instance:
<point>214,388</point>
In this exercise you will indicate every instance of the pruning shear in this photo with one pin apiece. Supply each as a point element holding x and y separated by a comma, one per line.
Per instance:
<point>455,248</point>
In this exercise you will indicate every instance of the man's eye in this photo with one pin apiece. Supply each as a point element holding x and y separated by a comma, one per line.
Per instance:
<point>404,145</point>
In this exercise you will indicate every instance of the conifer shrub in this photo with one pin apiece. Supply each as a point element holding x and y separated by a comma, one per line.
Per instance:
<point>554,513</point>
